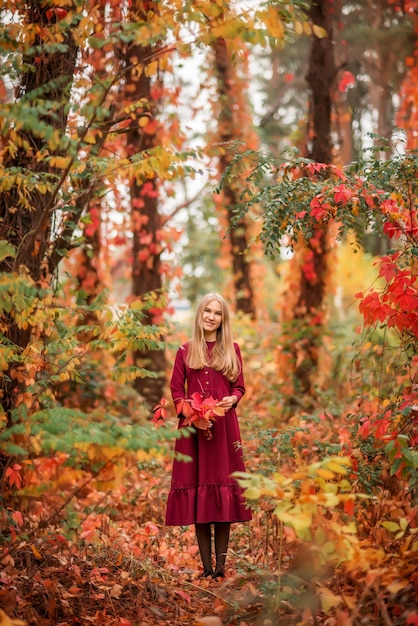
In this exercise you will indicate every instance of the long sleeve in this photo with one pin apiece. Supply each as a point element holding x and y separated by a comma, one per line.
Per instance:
<point>178,376</point>
<point>238,387</point>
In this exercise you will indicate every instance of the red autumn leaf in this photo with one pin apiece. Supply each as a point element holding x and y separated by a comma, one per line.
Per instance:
<point>14,476</point>
<point>349,507</point>
<point>317,209</point>
<point>151,128</point>
<point>374,310</point>
<point>316,167</point>
<point>388,269</point>
<point>60,13</point>
<point>160,413</point>
<point>183,407</point>
<point>342,194</point>
<point>392,230</point>
<point>18,518</point>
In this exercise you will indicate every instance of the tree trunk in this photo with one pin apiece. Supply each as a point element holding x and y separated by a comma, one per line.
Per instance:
<point>146,220</point>
<point>230,130</point>
<point>26,216</point>
<point>304,322</point>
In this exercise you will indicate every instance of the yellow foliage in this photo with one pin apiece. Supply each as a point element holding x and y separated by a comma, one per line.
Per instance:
<point>273,22</point>
<point>143,456</point>
<point>325,473</point>
<point>303,496</point>
<point>70,476</point>
<point>151,69</point>
<point>90,138</point>
<point>60,162</point>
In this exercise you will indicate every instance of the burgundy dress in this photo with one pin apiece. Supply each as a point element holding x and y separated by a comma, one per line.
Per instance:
<point>202,489</point>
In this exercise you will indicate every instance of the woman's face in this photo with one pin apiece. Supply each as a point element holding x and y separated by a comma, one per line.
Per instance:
<point>211,319</point>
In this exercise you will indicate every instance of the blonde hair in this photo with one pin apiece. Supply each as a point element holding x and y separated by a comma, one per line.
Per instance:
<point>224,358</point>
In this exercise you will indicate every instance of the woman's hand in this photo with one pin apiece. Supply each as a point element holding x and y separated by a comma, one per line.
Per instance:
<point>227,402</point>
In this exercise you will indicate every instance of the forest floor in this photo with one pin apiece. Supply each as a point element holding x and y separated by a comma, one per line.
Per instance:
<point>94,549</point>
<point>124,567</point>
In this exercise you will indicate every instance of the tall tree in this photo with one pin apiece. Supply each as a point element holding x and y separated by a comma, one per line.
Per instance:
<point>142,136</point>
<point>308,271</point>
<point>34,132</point>
<point>233,129</point>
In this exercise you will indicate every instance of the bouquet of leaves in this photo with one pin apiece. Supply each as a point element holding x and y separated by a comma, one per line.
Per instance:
<point>197,408</point>
<point>194,408</point>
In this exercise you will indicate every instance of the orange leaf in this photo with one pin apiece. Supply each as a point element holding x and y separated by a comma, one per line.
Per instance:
<point>36,552</point>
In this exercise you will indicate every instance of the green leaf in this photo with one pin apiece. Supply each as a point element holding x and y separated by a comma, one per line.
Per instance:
<point>6,249</point>
<point>393,527</point>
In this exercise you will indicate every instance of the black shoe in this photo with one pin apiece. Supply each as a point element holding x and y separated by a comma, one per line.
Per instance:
<point>217,576</point>
<point>206,574</point>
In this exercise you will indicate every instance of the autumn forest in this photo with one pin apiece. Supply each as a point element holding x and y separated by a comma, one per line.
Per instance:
<point>152,151</point>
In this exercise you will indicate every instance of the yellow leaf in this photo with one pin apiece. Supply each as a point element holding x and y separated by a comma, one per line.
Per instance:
<point>391,526</point>
<point>325,473</point>
<point>151,69</point>
<point>307,28</point>
<point>300,520</point>
<point>336,466</point>
<point>274,23</point>
<point>252,493</point>
<point>298,28</point>
<point>90,138</point>
<point>329,600</point>
<point>319,31</point>
<point>397,586</point>
<point>59,162</point>
<point>143,121</point>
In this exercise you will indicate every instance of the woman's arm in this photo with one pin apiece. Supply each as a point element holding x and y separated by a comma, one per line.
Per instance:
<point>178,376</point>
<point>237,387</point>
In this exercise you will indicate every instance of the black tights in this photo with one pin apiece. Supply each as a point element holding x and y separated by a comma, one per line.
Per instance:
<point>204,540</point>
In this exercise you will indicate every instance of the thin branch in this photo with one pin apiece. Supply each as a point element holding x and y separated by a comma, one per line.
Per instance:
<point>184,205</point>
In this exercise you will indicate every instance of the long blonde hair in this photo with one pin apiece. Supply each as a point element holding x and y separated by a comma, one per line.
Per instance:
<point>224,358</point>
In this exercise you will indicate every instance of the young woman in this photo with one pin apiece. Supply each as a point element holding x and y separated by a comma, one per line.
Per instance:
<point>202,490</point>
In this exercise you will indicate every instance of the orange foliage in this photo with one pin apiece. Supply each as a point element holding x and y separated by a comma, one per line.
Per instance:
<point>407,116</point>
